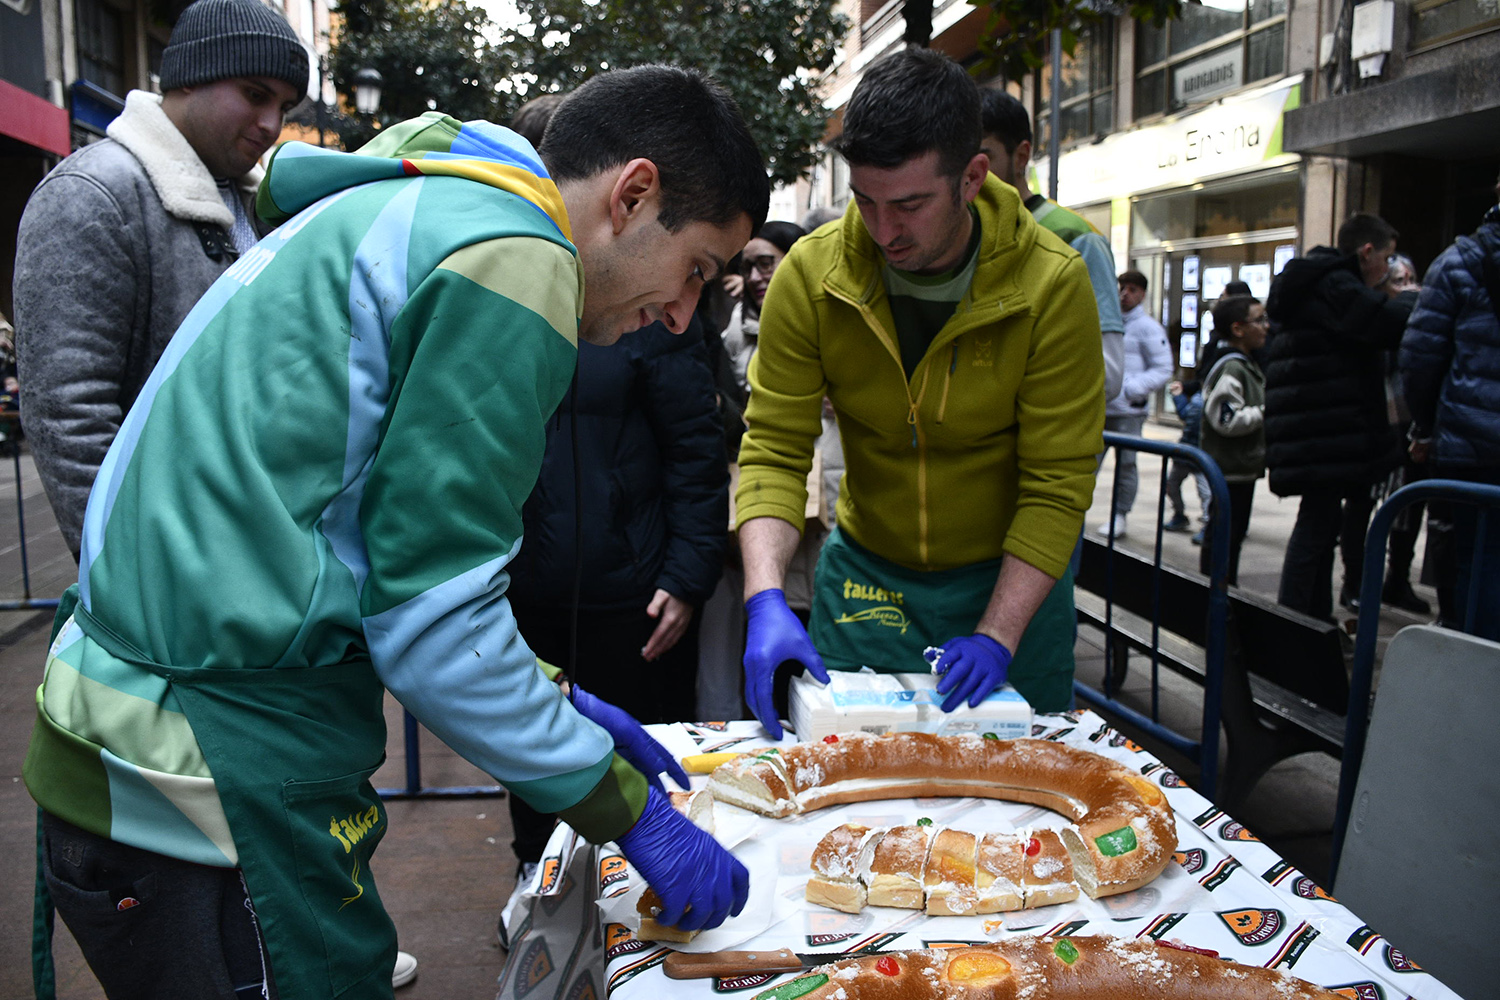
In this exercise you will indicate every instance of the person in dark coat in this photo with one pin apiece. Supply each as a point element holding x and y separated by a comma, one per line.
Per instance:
<point>1329,428</point>
<point>1450,368</point>
<point>632,532</point>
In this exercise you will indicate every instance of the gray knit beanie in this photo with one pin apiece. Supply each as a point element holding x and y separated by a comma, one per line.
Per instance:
<point>218,39</point>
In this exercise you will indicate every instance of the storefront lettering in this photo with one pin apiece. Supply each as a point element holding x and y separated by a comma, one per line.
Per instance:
<point>1205,144</point>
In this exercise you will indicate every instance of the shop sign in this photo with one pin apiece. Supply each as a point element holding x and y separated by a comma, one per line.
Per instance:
<point>1207,78</point>
<point>1233,135</point>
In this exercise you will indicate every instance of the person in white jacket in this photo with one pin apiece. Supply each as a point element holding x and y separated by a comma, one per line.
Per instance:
<point>1148,367</point>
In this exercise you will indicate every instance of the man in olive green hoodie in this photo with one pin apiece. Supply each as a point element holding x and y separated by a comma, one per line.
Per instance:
<point>959,344</point>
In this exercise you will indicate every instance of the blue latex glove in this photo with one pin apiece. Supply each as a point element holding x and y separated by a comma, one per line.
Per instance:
<point>631,741</point>
<point>970,668</point>
<point>774,635</point>
<point>700,883</point>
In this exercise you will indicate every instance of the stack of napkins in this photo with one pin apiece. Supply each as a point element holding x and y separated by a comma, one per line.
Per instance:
<point>866,701</point>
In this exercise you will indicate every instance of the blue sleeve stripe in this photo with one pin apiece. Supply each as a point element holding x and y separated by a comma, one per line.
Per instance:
<point>377,293</point>
<point>454,657</point>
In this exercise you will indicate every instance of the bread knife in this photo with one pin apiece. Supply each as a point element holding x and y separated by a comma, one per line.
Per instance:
<point>681,965</point>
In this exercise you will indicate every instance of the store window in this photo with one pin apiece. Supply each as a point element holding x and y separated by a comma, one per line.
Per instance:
<point>101,45</point>
<point>1087,96</point>
<point>1434,21</point>
<point>1218,46</point>
<point>1193,243</point>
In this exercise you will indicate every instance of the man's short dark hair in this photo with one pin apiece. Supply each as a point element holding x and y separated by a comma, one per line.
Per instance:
<point>680,120</point>
<point>1229,310</point>
<point>907,105</point>
<point>1135,278</point>
<point>1004,117</point>
<point>1363,228</point>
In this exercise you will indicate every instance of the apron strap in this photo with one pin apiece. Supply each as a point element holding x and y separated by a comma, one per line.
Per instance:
<point>43,975</point>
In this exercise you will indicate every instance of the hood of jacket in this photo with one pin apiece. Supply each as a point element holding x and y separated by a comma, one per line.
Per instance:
<point>1302,278</point>
<point>435,144</point>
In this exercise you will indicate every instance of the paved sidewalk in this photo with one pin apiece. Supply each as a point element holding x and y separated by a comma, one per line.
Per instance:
<point>445,869</point>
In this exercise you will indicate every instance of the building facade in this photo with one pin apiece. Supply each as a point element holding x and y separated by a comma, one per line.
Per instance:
<point>65,68</point>
<point>1219,146</point>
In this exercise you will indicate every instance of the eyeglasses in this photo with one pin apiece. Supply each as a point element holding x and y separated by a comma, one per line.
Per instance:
<point>765,264</point>
<point>1261,320</point>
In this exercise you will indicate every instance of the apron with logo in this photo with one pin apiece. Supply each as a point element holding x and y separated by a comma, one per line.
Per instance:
<point>867,611</point>
<point>291,751</point>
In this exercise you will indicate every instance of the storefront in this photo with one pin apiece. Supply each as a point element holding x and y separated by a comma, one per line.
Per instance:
<point>1194,203</point>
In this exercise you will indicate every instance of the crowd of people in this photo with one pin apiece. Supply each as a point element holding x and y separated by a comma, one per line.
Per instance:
<point>296,423</point>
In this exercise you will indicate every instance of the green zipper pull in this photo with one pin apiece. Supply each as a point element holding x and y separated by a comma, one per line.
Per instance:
<point>911,418</point>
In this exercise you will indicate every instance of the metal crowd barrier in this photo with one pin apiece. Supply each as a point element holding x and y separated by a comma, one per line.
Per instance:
<point>413,789</point>
<point>1362,671</point>
<point>1203,751</point>
<point>11,425</point>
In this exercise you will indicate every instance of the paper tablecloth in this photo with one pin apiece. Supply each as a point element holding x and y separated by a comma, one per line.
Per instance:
<point>1225,890</point>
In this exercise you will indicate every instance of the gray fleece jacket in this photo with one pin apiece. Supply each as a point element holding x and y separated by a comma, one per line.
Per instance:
<point>115,247</point>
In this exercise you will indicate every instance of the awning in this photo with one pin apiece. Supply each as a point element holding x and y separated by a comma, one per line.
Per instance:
<point>29,119</point>
<point>1451,113</point>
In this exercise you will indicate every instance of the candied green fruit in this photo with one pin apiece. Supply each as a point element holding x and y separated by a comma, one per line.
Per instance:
<point>1116,842</point>
<point>794,989</point>
<point>1065,950</point>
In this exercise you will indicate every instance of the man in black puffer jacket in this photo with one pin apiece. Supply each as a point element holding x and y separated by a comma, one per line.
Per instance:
<point>1329,430</point>
<point>1450,365</point>
<point>653,482</point>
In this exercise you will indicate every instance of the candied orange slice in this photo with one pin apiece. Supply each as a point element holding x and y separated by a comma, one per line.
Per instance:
<point>1150,794</point>
<point>978,968</point>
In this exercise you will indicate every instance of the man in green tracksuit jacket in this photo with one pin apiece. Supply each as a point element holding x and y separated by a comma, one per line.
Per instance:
<point>315,499</point>
<point>960,347</point>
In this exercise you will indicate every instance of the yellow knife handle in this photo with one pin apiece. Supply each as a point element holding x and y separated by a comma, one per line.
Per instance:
<point>680,965</point>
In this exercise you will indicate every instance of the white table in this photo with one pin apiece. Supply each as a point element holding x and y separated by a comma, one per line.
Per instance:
<point>1225,891</point>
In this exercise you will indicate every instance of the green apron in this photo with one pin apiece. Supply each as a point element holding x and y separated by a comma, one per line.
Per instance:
<point>868,611</point>
<point>291,751</point>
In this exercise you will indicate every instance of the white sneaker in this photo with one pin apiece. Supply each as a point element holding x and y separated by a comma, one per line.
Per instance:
<point>405,971</point>
<point>1119,522</point>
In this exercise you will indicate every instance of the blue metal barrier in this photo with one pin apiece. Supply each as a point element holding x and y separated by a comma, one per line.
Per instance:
<point>1203,751</point>
<point>413,788</point>
<point>1362,672</point>
<point>11,427</point>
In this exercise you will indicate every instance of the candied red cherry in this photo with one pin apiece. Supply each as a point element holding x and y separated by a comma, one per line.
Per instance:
<point>887,966</point>
<point>830,738</point>
<point>1033,847</point>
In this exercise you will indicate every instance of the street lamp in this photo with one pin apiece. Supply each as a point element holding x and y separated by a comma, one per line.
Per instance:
<point>367,83</point>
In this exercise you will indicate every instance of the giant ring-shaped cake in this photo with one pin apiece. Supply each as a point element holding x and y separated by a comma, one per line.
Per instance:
<point>1121,837</point>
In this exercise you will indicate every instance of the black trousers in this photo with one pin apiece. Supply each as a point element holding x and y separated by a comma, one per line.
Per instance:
<point>1241,498</point>
<point>153,927</point>
<point>609,667</point>
<point>1307,568</point>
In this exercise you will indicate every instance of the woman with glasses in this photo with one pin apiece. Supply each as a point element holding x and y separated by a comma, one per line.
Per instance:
<point>759,260</point>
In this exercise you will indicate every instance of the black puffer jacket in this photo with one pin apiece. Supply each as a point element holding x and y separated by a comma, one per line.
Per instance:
<point>1328,423</point>
<point>655,480</point>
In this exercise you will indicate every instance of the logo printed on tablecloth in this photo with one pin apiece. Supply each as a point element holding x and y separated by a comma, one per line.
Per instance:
<point>583,988</point>
<point>738,984</point>
<point>619,940</point>
<point>1254,927</point>
<point>1399,962</point>
<point>1234,831</point>
<point>1359,991</point>
<point>536,965</point>
<point>1191,860</point>
<point>612,871</point>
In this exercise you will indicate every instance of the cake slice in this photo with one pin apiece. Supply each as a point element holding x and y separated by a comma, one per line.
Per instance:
<point>697,806</point>
<point>649,907</point>
<point>896,867</point>
<point>837,863</point>
<point>998,873</point>
<point>1047,869</point>
<point>950,876</point>
<point>757,782</point>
